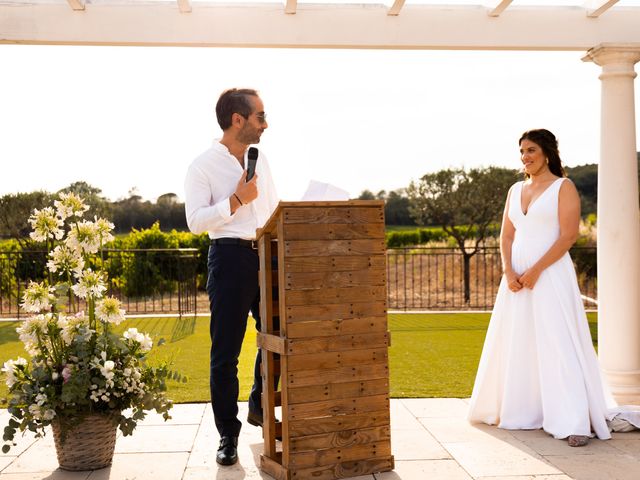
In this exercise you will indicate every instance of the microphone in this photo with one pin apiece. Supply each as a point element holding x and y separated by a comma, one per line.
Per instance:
<point>251,162</point>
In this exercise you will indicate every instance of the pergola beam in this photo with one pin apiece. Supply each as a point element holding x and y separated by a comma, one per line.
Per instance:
<point>598,7</point>
<point>76,4</point>
<point>316,26</point>
<point>394,9</point>
<point>290,6</point>
<point>499,8</point>
<point>184,6</point>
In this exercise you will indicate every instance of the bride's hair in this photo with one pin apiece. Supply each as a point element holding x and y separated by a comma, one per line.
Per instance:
<point>549,145</point>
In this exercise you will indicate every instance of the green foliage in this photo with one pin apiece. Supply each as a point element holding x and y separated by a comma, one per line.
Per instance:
<point>463,202</point>
<point>396,206</point>
<point>396,239</point>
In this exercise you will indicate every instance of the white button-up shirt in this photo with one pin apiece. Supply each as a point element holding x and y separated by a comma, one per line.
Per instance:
<point>211,179</point>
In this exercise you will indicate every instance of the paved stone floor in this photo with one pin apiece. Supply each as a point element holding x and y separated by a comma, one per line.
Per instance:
<point>431,440</point>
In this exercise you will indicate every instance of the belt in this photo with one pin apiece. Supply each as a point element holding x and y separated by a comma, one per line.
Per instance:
<point>240,242</point>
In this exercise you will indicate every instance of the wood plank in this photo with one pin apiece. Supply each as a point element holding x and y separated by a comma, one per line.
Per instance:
<point>324,248</point>
<point>332,296</point>
<point>337,375</point>
<point>342,406</point>
<point>307,313</point>
<point>329,328</point>
<point>271,342</point>
<point>332,456</point>
<point>332,391</point>
<point>344,469</point>
<point>343,358</point>
<point>343,438</point>
<point>268,368</point>
<point>338,263</point>
<point>274,468</point>
<point>330,215</point>
<point>317,426</point>
<point>296,346</point>
<point>333,231</point>
<point>305,280</point>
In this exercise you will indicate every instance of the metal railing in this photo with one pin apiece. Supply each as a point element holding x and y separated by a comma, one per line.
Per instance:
<point>165,281</point>
<point>158,281</point>
<point>422,278</point>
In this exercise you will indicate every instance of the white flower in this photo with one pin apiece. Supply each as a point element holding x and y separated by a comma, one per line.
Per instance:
<point>75,328</point>
<point>10,370</point>
<point>65,259</point>
<point>90,283</point>
<point>142,338</point>
<point>31,329</point>
<point>48,414</point>
<point>108,310</point>
<point>84,236</point>
<point>37,297</point>
<point>70,205</point>
<point>104,228</point>
<point>45,224</point>
<point>34,410</point>
<point>41,399</point>
<point>107,369</point>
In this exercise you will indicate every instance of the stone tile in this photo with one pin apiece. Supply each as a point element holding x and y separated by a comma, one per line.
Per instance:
<point>416,444</point>
<point>143,466</point>
<point>544,444</point>
<point>436,407</point>
<point>630,447</point>
<point>23,442</point>
<point>598,466</point>
<point>160,438</point>
<point>54,475</point>
<point>447,430</point>
<point>6,460</point>
<point>181,414</point>
<point>425,469</point>
<point>528,477</point>
<point>39,457</point>
<point>499,458</point>
<point>401,417</point>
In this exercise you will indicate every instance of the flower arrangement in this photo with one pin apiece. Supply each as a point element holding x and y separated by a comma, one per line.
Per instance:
<point>78,365</point>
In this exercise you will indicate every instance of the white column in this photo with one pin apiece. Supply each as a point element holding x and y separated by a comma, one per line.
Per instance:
<point>618,223</point>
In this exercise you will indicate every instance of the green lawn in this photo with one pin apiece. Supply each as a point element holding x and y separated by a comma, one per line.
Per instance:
<point>431,355</point>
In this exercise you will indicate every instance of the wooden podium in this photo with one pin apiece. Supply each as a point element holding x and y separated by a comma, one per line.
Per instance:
<point>324,333</point>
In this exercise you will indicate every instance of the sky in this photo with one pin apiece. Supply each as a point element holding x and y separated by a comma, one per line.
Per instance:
<point>124,118</point>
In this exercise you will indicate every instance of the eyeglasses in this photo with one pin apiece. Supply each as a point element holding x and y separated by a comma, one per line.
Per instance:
<point>261,116</point>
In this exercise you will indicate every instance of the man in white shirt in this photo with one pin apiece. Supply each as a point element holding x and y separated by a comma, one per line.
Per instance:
<point>221,202</point>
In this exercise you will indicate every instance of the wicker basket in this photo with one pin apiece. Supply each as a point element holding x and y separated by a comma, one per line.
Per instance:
<point>88,445</point>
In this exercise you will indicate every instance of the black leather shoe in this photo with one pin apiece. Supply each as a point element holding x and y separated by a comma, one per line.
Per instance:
<point>227,451</point>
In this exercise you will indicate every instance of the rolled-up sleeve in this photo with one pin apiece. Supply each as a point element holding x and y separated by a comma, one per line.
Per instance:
<point>202,214</point>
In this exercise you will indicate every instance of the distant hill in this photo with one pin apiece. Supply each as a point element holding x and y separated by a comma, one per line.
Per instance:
<point>586,179</point>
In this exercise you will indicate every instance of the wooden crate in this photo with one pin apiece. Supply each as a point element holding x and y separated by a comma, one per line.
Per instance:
<point>324,332</point>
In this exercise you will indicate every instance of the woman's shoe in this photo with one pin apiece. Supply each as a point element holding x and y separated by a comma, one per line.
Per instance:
<point>578,440</point>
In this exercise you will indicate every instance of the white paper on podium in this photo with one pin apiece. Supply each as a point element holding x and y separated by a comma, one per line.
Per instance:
<point>323,192</point>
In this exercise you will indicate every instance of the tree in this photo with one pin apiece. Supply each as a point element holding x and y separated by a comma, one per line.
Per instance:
<point>92,196</point>
<point>465,203</point>
<point>15,209</point>
<point>396,205</point>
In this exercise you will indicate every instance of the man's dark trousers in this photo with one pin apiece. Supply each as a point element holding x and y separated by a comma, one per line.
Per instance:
<point>233,291</point>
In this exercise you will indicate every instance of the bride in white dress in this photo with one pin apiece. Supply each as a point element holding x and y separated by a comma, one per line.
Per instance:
<point>538,367</point>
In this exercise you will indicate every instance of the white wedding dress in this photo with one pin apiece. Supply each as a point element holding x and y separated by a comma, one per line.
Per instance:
<point>538,367</point>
